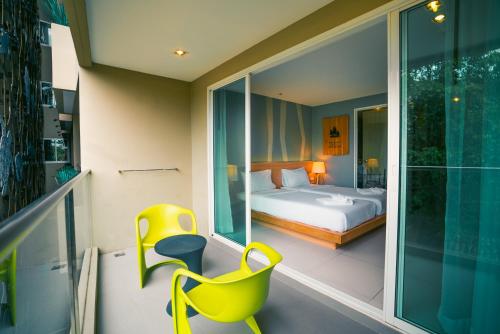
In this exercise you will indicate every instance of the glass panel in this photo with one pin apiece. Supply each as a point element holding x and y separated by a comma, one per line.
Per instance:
<point>55,150</point>
<point>36,284</point>
<point>449,237</point>
<point>45,38</point>
<point>48,97</point>
<point>49,149</point>
<point>83,236</point>
<point>229,161</point>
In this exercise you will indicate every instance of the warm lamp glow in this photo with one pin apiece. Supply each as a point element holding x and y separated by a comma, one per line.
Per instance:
<point>372,163</point>
<point>318,167</point>
<point>232,173</point>
<point>440,18</point>
<point>433,6</point>
<point>180,52</point>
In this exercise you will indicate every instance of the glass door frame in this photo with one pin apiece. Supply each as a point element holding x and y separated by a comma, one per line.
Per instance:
<point>210,133</point>
<point>391,11</point>
<point>393,170</point>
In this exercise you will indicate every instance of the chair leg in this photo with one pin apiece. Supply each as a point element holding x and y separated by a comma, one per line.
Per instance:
<point>179,314</point>
<point>142,265</point>
<point>12,288</point>
<point>253,325</point>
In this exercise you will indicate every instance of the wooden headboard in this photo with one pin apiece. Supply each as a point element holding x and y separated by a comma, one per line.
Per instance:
<point>277,166</point>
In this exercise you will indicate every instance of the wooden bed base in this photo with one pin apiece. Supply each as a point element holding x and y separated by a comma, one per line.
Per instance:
<point>317,235</point>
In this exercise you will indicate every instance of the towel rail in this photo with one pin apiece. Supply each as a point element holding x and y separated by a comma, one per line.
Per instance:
<point>148,170</point>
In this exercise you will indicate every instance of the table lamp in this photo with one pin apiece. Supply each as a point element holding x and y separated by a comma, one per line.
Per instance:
<point>318,168</point>
<point>232,172</point>
<point>372,163</point>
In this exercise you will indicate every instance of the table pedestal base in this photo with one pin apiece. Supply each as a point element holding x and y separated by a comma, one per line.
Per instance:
<point>189,249</point>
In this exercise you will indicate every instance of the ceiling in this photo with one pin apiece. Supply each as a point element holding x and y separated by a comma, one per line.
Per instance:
<point>350,67</point>
<point>142,35</point>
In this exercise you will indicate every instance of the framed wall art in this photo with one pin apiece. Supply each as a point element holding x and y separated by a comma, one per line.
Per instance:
<point>336,135</point>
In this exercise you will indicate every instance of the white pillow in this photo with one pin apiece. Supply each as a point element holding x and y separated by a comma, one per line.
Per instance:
<point>294,177</point>
<point>261,180</point>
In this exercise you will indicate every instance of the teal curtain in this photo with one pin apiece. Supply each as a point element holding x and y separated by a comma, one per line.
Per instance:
<point>470,295</point>
<point>223,212</point>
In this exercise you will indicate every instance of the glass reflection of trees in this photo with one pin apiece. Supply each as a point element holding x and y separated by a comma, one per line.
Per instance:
<point>436,87</point>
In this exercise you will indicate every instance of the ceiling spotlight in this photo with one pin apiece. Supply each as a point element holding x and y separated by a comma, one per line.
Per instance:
<point>433,6</point>
<point>440,18</point>
<point>180,52</point>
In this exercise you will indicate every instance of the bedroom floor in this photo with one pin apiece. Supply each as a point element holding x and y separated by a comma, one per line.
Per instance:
<point>356,268</point>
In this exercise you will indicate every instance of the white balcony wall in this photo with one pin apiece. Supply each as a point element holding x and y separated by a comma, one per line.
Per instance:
<point>64,61</point>
<point>130,120</point>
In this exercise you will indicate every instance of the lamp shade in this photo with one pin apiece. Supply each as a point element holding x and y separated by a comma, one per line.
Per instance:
<point>318,167</point>
<point>372,163</point>
<point>232,172</point>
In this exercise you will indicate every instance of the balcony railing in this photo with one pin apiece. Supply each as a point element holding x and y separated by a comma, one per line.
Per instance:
<point>47,264</point>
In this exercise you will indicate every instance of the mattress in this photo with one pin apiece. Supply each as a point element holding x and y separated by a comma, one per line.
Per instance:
<point>303,207</point>
<point>379,200</point>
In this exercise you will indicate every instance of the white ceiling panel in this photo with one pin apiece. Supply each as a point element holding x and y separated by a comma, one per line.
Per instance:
<point>350,67</point>
<point>142,35</point>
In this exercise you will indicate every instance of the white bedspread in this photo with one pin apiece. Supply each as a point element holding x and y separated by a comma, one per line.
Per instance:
<point>303,207</point>
<point>379,200</point>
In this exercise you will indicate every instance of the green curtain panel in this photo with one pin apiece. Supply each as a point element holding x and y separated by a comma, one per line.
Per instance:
<point>471,264</point>
<point>223,212</point>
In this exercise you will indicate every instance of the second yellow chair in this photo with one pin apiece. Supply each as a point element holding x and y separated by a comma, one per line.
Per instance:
<point>232,297</point>
<point>8,276</point>
<point>163,221</point>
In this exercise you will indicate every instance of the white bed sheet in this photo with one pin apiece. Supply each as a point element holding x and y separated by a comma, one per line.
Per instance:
<point>303,207</point>
<point>379,200</point>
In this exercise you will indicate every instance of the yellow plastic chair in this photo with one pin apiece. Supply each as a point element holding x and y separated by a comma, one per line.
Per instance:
<point>232,297</point>
<point>8,275</point>
<point>163,222</point>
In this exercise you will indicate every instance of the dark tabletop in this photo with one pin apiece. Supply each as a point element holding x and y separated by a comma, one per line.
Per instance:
<point>178,245</point>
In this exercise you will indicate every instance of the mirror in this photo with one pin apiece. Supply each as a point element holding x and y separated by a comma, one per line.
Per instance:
<point>371,147</point>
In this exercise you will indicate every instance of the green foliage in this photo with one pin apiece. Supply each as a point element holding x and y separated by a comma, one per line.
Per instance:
<point>56,9</point>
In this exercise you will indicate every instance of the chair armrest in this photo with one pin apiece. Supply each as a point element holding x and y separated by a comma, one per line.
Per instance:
<point>138,229</point>
<point>176,286</point>
<point>194,227</point>
<point>273,256</point>
<point>186,273</point>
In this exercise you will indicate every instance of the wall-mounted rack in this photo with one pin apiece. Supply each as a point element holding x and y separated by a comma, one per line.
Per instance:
<point>121,171</point>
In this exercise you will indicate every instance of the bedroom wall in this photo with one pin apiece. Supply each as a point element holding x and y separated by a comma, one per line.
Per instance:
<point>340,169</point>
<point>267,142</point>
<point>324,19</point>
<point>130,120</point>
<point>277,130</point>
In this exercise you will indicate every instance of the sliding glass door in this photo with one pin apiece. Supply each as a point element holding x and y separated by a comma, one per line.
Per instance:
<point>230,161</point>
<point>448,268</point>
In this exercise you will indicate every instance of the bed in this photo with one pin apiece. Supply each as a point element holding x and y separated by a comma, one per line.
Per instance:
<point>298,212</point>
<point>327,189</point>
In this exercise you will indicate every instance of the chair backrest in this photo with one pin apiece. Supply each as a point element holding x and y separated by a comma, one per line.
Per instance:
<point>245,295</point>
<point>163,221</point>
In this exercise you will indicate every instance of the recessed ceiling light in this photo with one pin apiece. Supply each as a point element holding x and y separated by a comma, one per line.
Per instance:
<point>180,52</point>
<point>440,18</point>
<point>433,6</point>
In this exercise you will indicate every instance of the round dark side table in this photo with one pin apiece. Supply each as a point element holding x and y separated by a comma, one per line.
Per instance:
<point>189,249</point>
